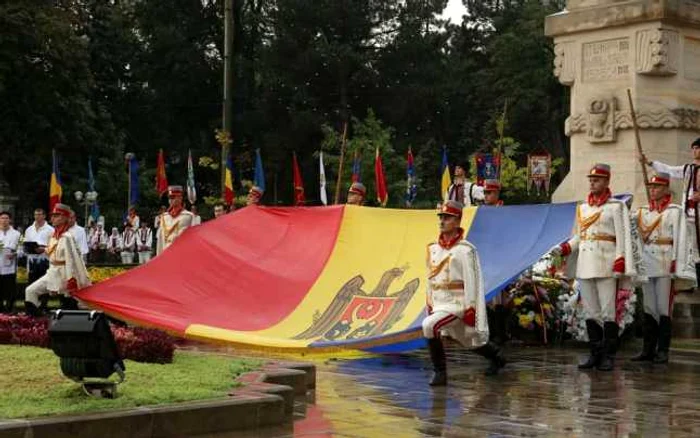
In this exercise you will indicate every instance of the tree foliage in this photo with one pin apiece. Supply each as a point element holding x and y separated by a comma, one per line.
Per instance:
<point>96,78</point>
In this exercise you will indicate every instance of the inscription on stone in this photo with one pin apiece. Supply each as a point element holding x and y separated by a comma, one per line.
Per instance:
<point>691,59</point>
<point>606,60</point>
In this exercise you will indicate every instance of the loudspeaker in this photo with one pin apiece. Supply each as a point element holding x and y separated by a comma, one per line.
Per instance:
<point>83,341</point>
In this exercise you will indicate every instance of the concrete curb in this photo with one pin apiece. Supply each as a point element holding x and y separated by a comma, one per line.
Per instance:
<point>265,399</point>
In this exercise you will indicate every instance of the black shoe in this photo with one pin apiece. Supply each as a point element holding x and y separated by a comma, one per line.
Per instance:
<point>439,361</point>
<point>650,329</point>
<point>493,353</point>
<point>439,378</point>
<point>595,337</point>
<point>31,309</point>
<point>607,360</point>
<point>664,340</point>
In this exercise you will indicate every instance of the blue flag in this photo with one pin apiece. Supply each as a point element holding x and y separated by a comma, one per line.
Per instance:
<point>134,181</point>
<point>95,208</point>
<point>259,179</point>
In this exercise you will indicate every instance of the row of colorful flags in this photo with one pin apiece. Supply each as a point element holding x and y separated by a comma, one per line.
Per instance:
<point>161,182</point>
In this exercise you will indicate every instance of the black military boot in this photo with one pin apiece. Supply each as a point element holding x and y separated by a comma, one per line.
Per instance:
<point>595,341</point>
<point>493,353</point>
<point>651,331</point>
<point>501,324</point>
<point>31,309</point>
<point>607,360</point>
<point>439,360</point>
<point>664,340</point>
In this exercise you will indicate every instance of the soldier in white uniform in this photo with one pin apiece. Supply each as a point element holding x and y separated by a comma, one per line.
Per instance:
<point>660,226</point>
<point>455,296</point>
<point>67,273</point>
<point>357,194</point>
<point>691,195</point>
<point>144,242</point>
<point>465,192</point>
<point>603,242</point>
<point>174,221</point>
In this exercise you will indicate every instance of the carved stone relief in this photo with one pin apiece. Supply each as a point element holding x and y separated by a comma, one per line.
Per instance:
<point>658,52</point>
<point>665,118</point>
<point>565,63</point>
<point>601,120</point>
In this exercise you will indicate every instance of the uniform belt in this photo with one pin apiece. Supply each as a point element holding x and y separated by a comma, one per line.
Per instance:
<point>58,263</point>
<point>449,285</point>
<point>602,237</point>
<point>662,241</point>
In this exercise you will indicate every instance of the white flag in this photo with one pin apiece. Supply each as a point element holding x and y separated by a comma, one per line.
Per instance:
<point>324,196</point>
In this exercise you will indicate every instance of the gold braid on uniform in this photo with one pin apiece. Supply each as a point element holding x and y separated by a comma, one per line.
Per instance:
<point>644,230</point>
<point>584,223</point>
<point>168,230</point>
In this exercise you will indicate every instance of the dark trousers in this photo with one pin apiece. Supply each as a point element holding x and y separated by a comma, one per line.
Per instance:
<point>8,292</point>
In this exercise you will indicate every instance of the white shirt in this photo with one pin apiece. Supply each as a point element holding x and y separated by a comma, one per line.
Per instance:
<point>9,240</point>
<point>41,236</point>
<point>196,220</point>
<point>80,237</point>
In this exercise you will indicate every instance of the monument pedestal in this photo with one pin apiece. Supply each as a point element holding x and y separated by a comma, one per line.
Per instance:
<point>652,47</point>
<point>603,48</point>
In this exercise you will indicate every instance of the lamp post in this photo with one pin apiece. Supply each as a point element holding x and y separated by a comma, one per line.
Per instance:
<point>87,200</point>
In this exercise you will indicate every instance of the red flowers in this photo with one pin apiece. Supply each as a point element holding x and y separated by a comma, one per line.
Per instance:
<point>135,343</point>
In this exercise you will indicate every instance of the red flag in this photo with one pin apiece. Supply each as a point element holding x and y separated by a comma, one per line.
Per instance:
<point>380,182</point>
<point>161,178</point>
<point>299,198</point>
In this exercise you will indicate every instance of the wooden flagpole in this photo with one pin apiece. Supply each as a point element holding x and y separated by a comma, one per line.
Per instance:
<point>639,144</point>
<point>342,160</point>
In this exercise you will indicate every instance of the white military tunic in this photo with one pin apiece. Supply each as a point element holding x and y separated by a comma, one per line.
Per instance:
<point>65,263</point>
<point>661,237</point>
<point>601,236</point>
<point>171,227</point>
<point>455,284</point>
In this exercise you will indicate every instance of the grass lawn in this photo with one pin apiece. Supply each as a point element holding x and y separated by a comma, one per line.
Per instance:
<point>32,385</point>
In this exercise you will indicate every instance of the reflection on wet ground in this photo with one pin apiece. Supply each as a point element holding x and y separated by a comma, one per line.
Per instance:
<point>540,393</point>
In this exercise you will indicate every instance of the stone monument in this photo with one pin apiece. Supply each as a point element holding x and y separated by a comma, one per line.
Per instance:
<point>652,47</point>
<point>604,47</point>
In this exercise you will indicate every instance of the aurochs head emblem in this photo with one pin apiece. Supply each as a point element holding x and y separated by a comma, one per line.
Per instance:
<point>355,314</point>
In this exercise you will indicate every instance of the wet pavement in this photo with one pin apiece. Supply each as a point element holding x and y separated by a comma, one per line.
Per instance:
<point>539,393</point>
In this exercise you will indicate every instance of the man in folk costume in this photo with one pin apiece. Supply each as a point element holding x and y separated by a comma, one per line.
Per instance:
<point>114,245</point>
<point>463,191</point>
<point>67,273</point>
<point>98,243</point>
<point>174,221</point>
<point>603,241</point>
<point>132,219</point>
<point>455,296</point>
<point>144,242</point>
<point>128,247</point>
<point>690,174</point>
<point>357,194</point>
<point>661,230</point>
<point>255,194</point>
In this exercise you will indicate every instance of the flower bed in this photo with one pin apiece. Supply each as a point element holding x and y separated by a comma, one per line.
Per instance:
<point>138,344</point>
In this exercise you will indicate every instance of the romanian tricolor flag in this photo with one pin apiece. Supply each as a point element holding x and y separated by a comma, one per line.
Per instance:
<point>446,177</point>
<point>229,193</point>
<point>55,188</point>
<point>361,285</point>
